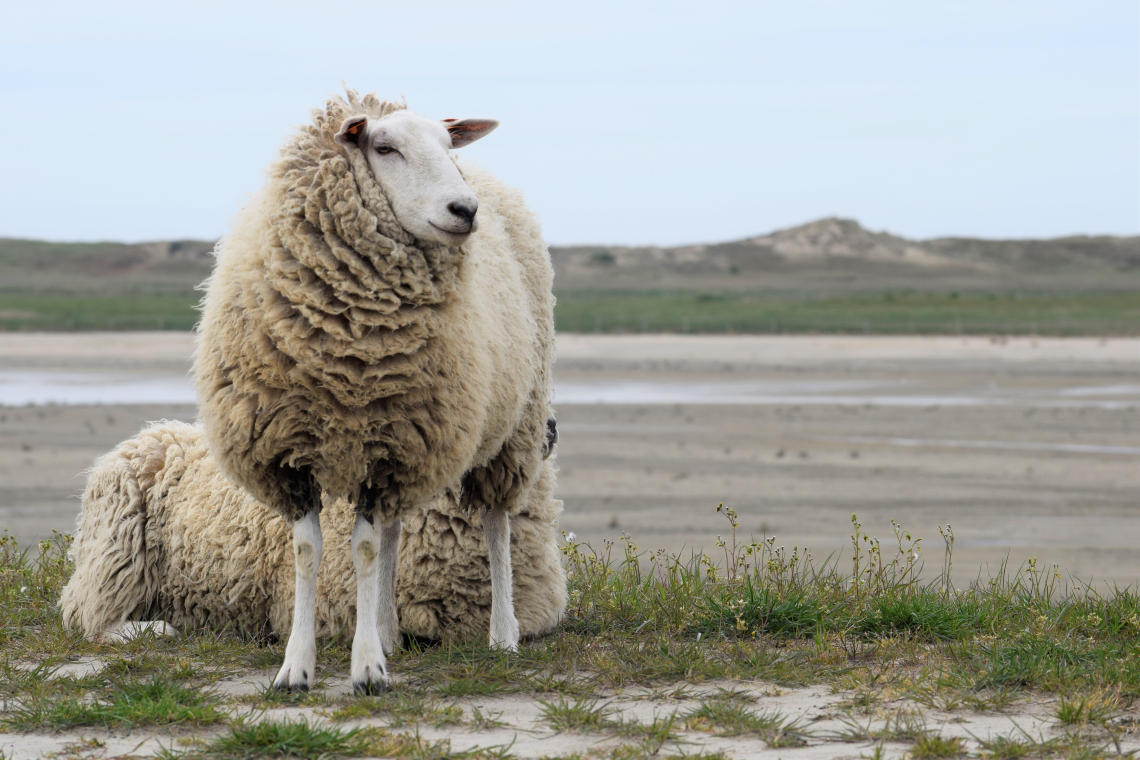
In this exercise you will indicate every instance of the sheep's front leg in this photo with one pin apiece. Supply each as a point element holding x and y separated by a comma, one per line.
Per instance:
<point>301,652</point>
<point>504,625</point>
<point>375,549</point>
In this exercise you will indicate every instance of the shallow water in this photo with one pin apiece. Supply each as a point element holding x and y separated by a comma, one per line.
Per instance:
<point>950,443</point>
<point>832,393</point>
<point>24,387</point>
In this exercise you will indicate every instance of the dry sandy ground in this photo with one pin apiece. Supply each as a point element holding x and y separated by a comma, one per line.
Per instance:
<point>1021,445</point>
<point>827,724</point>
<point>1027,447</point>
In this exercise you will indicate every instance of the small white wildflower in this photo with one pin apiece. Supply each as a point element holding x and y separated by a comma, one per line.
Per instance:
<point>23,589</point>
<point>570,536</point>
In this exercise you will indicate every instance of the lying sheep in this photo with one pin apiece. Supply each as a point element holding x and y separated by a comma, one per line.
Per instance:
<point>163,536</point>
<point>364,338</point>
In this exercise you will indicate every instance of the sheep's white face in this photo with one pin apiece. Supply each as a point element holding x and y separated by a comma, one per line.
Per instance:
<point>408,155</point>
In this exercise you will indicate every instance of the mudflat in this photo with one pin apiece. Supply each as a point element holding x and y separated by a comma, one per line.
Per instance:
<point>1027,447</point>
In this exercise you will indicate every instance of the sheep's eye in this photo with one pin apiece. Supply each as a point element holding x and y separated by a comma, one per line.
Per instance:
<point>383,150</point>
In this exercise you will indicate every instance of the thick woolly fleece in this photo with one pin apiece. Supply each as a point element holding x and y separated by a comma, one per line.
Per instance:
<point>339,354</point>
<point>164,536</point>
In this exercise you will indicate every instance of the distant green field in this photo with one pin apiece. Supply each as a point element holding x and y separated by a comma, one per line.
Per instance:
<point>68,312</point>
<point>922,313</point>
<point>586,311</point>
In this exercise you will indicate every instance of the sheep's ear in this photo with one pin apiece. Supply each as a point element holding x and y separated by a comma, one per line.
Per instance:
<point>352,131</point>
<point>466,131</point>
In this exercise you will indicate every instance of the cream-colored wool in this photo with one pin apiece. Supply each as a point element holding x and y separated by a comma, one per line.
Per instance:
<point>339,354</point>
<point>163,536</point>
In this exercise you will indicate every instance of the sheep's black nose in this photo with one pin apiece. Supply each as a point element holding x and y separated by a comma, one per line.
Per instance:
<point>463,210</point>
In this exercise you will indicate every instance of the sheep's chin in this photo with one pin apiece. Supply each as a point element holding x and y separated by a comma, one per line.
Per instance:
<point>448,237</point>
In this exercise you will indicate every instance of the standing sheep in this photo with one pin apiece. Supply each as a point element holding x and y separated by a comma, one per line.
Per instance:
<point>363,337</point>
<point>162,536</point>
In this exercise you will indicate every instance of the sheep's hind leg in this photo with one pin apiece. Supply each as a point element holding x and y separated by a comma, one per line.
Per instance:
<point>375,571</point>
<point>389,565</point>
<point>301,651</point>
<point>504,624</point>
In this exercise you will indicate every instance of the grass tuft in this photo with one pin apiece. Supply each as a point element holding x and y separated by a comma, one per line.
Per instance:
<point>124,704</point>
<point>400,708</point>
<point>933,746</point>
<point>925,614</point>
<point>730,717</point>
<point>289,739</point>
<point>582,714</point>
<point>1097,708</point>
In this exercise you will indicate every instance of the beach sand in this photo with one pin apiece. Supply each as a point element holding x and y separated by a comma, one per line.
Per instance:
<point>1027,447</point>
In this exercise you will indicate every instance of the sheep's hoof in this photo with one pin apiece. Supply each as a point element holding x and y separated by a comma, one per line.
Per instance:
<point>374,682</point>
<point>292,687</point>
<point>283,682</point>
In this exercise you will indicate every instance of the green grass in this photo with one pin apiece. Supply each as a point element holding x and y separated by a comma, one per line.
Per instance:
<point>1083,709</point>
<point>401,707</point>
<point>288,739</point>
<point>668,624</point>
<point>124,704</point>
<point>1072,745</point>
<point>728,717</point>
<point>587,311</point>
<point>580,714</point>
<point>659,620</point>
<point>30,583</point>
<point>20,311</point>
<point>902,726</point>
<point>301,740</point>
<point>924,614</point>
<point>271,697</point>
<point>933,746</point>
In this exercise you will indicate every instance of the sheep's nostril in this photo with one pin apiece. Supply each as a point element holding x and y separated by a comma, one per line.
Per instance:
<point>465,211</point>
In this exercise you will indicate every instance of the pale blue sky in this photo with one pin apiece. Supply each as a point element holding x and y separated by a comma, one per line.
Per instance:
<point>661,122</point>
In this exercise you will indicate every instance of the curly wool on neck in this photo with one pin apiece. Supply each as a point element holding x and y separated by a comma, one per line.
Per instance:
<point>349,292</point>
<point>336,351</point>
